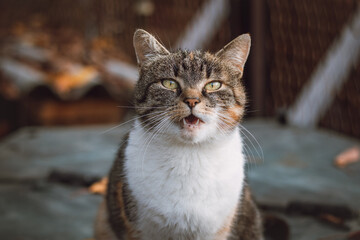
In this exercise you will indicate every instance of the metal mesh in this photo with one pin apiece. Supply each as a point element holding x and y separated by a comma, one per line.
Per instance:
<point>301,34</point>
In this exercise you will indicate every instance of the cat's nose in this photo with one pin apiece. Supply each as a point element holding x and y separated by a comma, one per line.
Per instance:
<point>191,102</point>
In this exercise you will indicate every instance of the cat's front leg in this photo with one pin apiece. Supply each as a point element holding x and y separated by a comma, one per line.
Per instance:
<point>225,231</point>
<point>103,230</point>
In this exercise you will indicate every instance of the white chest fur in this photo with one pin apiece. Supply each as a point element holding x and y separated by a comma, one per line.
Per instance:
<point>184,191</point>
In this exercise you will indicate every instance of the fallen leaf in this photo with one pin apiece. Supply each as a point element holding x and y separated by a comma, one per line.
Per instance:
<point>347,157</point>
<point>334,221</point>
<point>99,187</point>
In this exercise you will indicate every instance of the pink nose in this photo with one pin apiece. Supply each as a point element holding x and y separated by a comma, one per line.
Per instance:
<point>191,102</point>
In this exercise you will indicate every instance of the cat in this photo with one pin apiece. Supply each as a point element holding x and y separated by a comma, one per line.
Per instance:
<point>180,174</point>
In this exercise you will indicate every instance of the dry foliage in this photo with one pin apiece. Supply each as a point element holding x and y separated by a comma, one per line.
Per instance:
<point>350,155</point>
<point>99,187</point>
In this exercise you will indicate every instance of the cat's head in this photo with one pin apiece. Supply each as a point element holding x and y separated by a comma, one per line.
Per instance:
<point>192,96</point>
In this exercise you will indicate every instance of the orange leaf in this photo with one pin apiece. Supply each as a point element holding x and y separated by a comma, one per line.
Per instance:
<point>99,187</point>
<point>348,156</point>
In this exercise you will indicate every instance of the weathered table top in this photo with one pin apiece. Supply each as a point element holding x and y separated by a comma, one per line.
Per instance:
<point>297,166</point>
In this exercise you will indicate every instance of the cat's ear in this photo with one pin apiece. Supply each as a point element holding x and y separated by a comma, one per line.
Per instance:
<point>146,46</point>
<point>236,52</point>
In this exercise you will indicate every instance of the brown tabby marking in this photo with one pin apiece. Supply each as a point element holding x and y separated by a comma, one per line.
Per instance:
<point>120,205</point>
<point>129,229</point>
<point>102,227</point>
<point>247,225</point>
<point>117,217</point>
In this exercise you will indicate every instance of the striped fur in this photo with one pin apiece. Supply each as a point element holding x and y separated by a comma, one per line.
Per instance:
<point>174,178</point>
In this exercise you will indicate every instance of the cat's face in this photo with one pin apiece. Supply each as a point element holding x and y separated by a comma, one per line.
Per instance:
<point>190,95</point>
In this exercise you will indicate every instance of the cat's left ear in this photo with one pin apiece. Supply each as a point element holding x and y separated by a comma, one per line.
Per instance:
<point>236,52</point>
<point>147,47</point>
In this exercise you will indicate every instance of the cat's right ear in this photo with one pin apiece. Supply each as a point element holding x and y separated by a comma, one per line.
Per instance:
<point>236,52</point>
<point>147,47</point>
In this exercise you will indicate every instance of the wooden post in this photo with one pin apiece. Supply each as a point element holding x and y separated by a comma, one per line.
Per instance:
<point>258,56</point>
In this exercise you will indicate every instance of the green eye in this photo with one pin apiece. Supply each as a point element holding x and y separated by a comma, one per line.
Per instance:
<point>170,84</point>
<point>213,86</point>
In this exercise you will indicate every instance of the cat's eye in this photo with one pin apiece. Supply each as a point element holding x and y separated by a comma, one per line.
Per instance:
<point>170,84</point>
<point>213,86</point>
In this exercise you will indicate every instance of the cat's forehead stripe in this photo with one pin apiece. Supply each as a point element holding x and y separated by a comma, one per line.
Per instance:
<point>176,70</point>
<point>196,61</point>
<point>201,66</point>
<point>208,70</point>
<point>185,67</point>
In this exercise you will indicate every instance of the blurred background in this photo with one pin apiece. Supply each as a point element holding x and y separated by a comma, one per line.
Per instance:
<point>72,62</point>
<point>68,69</point>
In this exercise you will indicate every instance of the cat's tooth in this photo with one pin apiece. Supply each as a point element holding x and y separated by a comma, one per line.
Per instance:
<point>184,122</point>
<point>197,122</point>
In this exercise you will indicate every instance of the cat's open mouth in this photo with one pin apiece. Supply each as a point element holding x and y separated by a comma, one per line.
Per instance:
<point>191,121</point>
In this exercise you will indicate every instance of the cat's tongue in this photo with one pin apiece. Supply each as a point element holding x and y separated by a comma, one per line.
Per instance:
<point>192,120</point>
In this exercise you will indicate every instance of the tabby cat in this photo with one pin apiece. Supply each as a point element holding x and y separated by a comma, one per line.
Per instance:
<point>180,174</point>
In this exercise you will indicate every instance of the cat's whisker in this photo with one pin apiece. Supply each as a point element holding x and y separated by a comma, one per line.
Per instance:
<point>251,156</point>
<point>226,119</point>
<point>253,146</point>
<point>154,121</point>
<point>257,142</point>
<point>230,120</point>
<point>247,151</point>
<point>119,125</point>
<point>128,121</point>
<point>177,116</point>
<point>249,161</point>
<point>148,120</point>
<point>146,140</point>
<point>225,131</point>
<point>159,127</point>
<point>221,130</point>
<point>248,156</point>
<point>168,112</point>
<point>144,107</point>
